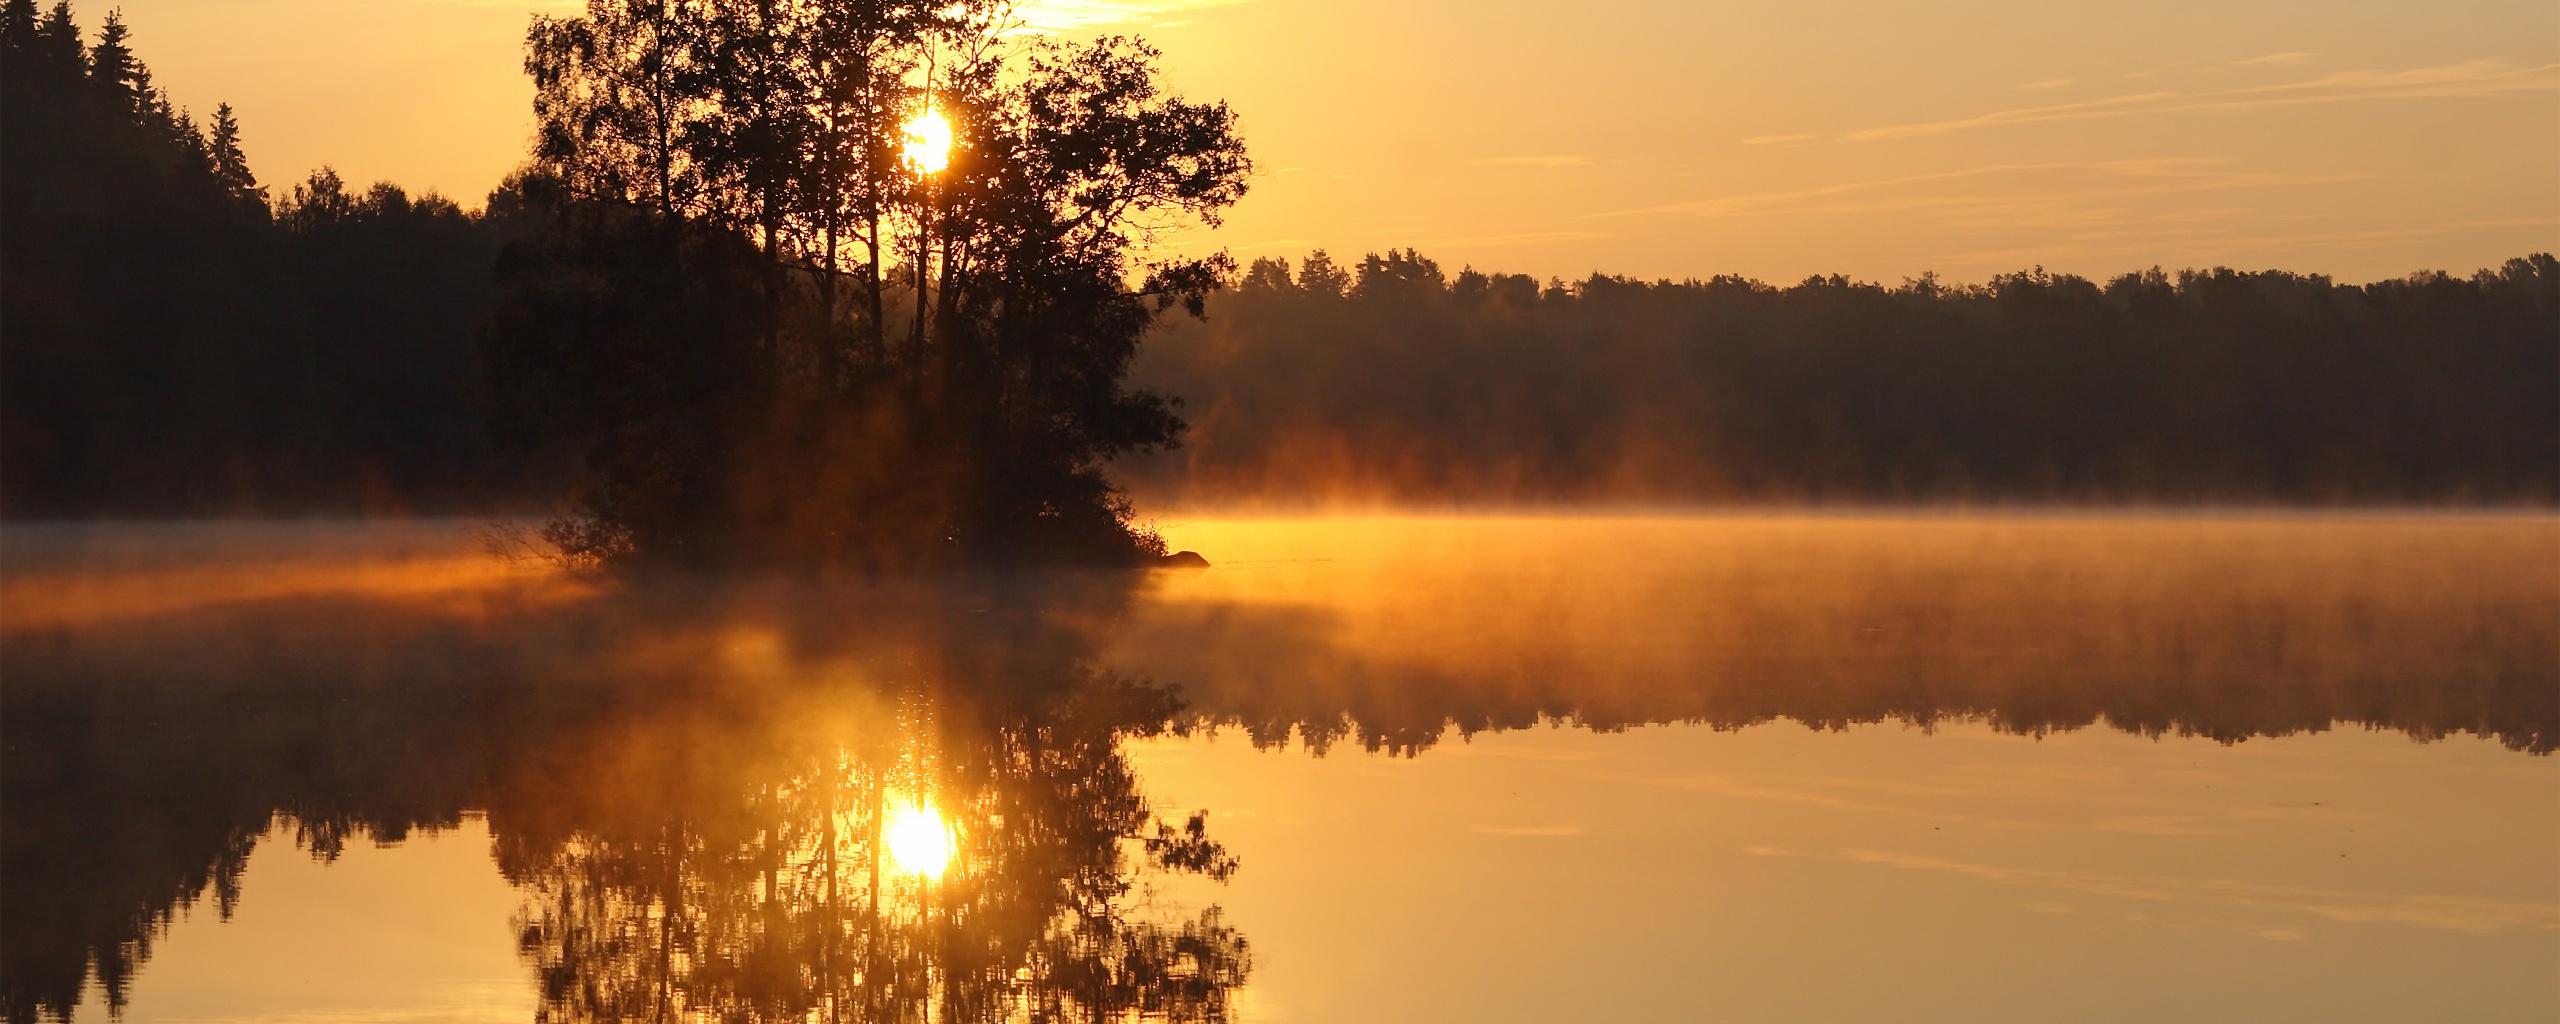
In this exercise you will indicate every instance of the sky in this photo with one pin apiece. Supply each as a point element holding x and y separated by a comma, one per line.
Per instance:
<point>1881,139</point>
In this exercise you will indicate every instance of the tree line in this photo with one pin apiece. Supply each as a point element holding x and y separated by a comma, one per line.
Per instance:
<point>1391,380</point>
<point>730,310</point>
<point>180,340</point>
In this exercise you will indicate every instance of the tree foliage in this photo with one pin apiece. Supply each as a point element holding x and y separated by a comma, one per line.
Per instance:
<point>767,336</point>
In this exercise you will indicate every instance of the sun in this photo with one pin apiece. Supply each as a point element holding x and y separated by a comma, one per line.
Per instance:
<point>928,146</point>
<point>919,842</point>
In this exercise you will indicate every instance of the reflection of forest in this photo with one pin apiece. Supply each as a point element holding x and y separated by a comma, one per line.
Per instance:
<point>2228,628</point>
<point>691,806</point>
<point>687,782</point>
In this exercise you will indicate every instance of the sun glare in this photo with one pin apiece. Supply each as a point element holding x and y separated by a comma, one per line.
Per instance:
<point>928,142</point>
<point>919,843</point>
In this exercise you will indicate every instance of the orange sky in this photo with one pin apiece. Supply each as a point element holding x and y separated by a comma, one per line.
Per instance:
<point>1875,138</point>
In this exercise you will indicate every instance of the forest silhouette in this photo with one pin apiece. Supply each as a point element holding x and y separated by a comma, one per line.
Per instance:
<point>181,339</point>
<point>1390,380</point>
<point>694,322</point>
<point>721,300</point>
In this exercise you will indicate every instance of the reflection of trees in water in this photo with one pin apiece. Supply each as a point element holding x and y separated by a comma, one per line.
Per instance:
<point>686,780</point>
<point>767,894</point>
<point>2227,628</point>
<point>689,799</point>
<point>87,894</point>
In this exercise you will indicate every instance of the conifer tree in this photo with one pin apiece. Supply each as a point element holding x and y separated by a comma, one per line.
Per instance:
<point>57,45</point>
<point>230,165</point>
<point>113,69</point>
<point>17,24</point>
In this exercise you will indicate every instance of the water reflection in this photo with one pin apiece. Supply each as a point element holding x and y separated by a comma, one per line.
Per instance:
<point>918,840</point>
<point>719,802</point>
<point>803,880</point>
<point>1394,632</point>
<point>769,800</point>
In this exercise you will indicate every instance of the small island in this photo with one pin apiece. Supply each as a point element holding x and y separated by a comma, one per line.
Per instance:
<point>859,293</point>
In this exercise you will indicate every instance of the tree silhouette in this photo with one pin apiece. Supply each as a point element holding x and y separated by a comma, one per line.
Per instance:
<point>961,406</point>
<point>230,165</point>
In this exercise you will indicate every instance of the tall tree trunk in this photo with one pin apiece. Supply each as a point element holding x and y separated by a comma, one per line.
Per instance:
<point>879,303</point>
<point>923,275</point>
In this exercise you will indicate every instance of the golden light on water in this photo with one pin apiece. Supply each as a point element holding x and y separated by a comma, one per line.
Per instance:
<point>919,842</point>
<point>928,146</point>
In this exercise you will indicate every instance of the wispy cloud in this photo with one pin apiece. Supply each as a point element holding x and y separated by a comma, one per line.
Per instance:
<point>2469,80</point>
<point>1534,161</point>
<point>1778,140</point>
<point>1522,238</point>
<point>2003,186</point>
<point>2274,58</point>
<point>1068,15</point>
<point>2050,83</point>
<point>1530,830</point>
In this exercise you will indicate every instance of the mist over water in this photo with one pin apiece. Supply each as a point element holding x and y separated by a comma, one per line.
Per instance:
<point>183,699</point>
<point>2226,626</point>
<point>2429,623</point>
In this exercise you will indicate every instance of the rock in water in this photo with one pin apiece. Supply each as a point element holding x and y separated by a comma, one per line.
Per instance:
<point>1182,560</point>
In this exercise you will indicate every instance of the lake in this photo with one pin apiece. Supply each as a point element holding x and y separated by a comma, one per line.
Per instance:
<point>1641,767</point>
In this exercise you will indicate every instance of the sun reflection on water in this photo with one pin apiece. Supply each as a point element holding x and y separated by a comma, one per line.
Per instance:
<point>919,841</point>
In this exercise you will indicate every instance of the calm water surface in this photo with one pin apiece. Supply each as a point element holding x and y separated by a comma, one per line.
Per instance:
<point>1363,769</point>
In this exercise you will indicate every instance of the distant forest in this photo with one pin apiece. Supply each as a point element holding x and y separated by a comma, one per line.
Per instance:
<point>1389,380</point>
<point>177,338</point>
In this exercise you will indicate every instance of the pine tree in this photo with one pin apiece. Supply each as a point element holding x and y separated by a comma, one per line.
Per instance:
<point>18,25</point>
<point>57,49</point>
<point>230,165</point>
<point>114,70</point>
